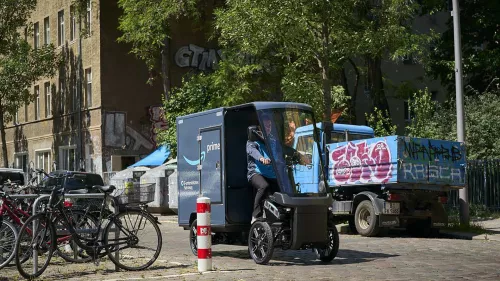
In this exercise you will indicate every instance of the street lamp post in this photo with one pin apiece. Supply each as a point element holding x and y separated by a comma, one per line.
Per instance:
<point>463,194</point>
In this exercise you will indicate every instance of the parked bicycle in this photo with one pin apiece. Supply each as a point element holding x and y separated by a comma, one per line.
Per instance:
<point>14,212</point>
<point>131,239</point>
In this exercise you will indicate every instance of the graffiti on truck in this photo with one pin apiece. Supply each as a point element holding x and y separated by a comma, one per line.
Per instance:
<point>361,162</point>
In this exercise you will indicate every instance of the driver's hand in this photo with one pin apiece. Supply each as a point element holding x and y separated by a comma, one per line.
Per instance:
<point>265,161</point>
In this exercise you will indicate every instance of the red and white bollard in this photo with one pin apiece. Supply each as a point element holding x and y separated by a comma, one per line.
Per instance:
<point>204,234</point>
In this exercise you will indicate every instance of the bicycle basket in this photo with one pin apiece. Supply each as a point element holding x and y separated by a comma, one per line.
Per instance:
<point>136,193</point>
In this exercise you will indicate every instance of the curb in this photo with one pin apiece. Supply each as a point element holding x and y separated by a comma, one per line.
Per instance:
<point>342,228</point>
<point>469,236</point>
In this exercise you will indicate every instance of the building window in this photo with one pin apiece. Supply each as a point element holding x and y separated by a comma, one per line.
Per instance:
<point>60,30</point>
<point>88,17</point>
<point>36,38</point>
<point>72,23</point>
<point>48,100</point>
<point>62,96</point>
<point>88,86</point>
<point>46,28</point>
<point>37,103</point>
<point>21,161</point>
<point>43,160</point>
<point>68,158</point>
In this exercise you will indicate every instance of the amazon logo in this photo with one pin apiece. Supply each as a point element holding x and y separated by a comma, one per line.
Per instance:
<point>196,162</point>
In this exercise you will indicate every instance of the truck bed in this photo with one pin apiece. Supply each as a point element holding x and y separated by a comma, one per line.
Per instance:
<point>397,160</point>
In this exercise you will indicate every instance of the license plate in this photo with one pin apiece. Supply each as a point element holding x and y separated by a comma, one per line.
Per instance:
<point>391,208</point>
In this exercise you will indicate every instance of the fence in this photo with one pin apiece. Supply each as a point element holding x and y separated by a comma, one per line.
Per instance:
<point>483,183</point>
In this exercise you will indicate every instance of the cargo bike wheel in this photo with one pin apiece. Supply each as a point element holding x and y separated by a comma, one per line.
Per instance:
<point>330,252</point>
<point>261,242</point>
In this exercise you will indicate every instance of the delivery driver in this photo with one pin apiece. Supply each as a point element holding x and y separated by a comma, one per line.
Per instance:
<point>260,171</point>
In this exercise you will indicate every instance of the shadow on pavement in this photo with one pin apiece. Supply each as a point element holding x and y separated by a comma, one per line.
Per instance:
<point>307,257</point>
<point>92,271</point>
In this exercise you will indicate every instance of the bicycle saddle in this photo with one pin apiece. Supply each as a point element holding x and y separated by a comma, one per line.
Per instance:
<point>106,188</point>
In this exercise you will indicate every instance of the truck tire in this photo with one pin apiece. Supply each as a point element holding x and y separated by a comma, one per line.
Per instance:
<point>366,220</point>
<point>352,226</point>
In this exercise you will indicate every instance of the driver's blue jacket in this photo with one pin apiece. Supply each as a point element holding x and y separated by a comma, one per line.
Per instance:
<point>255,151</point>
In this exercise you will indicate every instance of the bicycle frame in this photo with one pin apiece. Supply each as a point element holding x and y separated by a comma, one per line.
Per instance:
<point>10,209</point>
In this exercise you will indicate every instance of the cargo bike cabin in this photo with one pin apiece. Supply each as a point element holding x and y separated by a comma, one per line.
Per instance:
<point>212,162</point>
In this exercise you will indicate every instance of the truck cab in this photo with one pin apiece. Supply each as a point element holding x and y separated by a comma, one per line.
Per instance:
<point>308,176</point>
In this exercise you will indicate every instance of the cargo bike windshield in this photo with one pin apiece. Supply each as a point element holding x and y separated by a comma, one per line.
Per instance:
<point>278,128</point>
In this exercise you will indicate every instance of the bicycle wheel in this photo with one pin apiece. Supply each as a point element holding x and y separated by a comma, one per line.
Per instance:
<point>82,222</point>
<point>35,246</point>
<point>8,237</point>
<point>138,238</point>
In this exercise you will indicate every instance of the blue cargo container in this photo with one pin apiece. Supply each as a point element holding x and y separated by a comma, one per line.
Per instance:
<point>433,164</point>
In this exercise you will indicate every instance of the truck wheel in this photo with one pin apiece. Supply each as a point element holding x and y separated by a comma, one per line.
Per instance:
<point>193,238</point>
<point>261,242</point>
<point>330,252</point>
<point>366,220</point>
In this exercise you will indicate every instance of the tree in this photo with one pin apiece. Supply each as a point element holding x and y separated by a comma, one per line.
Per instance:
<point>146,25</point>
<point>20,65</point>
<point>480,25</point>
<point>302,34</point>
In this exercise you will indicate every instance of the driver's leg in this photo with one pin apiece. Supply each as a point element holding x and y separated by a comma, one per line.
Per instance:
<point>260,184</point>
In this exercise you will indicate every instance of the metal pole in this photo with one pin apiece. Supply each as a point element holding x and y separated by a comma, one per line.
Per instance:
<point>463,194</point>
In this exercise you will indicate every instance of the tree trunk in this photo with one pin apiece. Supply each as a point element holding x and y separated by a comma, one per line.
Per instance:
<point>165,67</point>
<point>324,64</point>
<point>376,85</point>
<point>4,143</point>
<point>327,89</point>
<point>352,103</point>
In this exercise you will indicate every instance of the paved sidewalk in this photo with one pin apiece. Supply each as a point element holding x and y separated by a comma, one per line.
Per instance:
<point>491,226</point>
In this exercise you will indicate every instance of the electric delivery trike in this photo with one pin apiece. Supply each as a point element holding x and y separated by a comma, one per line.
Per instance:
<point>212,162</point>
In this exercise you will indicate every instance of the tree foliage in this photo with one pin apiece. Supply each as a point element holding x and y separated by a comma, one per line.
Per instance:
<point>380,122</point>
<point>20,65</point>
<point>438,121</point>
<point>480,35</point>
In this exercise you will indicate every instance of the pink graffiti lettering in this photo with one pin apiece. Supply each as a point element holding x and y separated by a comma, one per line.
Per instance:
<point>361,163</point>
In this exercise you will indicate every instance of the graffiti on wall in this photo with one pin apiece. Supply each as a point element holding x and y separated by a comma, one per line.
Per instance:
<point>157,118</point>
<point>197,57</point>
<point>361,162</point>
<point>431,151</point>
<point>434,173</point>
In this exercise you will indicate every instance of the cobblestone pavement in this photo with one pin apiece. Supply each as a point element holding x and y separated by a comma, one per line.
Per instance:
<point>359,258</point>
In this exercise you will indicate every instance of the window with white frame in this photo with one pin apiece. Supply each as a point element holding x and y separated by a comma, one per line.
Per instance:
<point>48,100</point>
<point>44,160</point>
<point>88,86</point>
<point>88,17</point>
<point>37,103</point>
<point>36,38</point>
<point>21,161</point>
<point>72,23</point>
<point>60,28</point>
<point>68,158</point>
<point>46,33</point>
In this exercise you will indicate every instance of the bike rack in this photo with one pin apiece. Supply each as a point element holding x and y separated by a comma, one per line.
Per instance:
<point>38,201</point>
